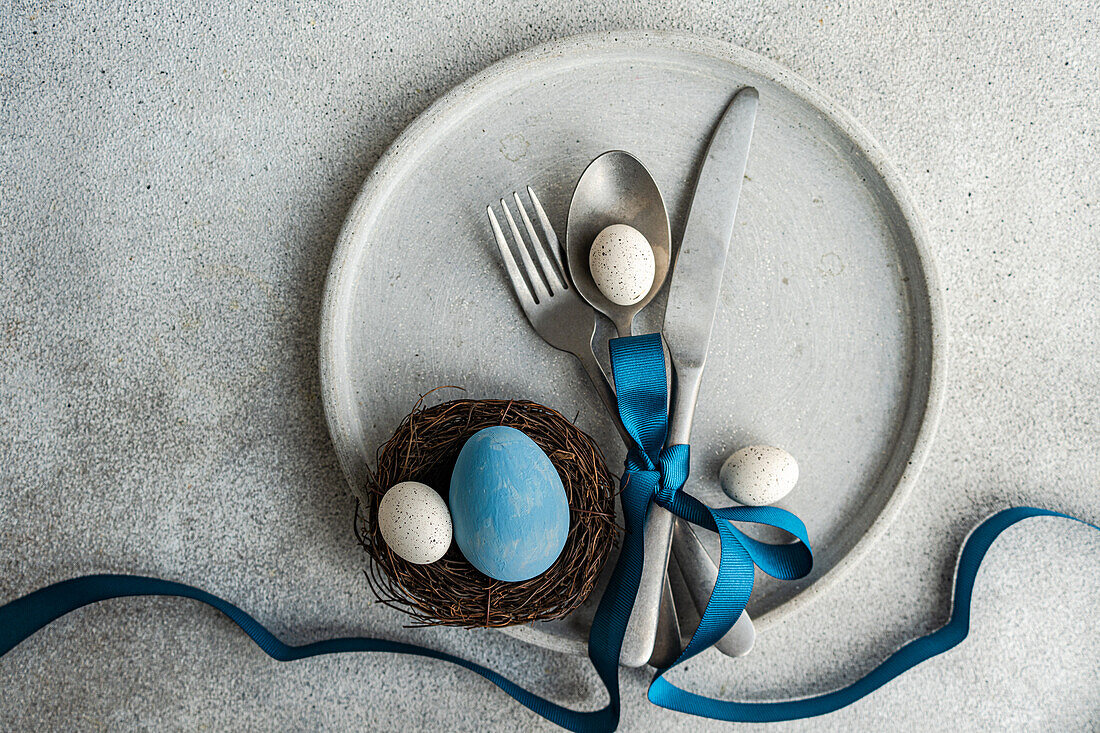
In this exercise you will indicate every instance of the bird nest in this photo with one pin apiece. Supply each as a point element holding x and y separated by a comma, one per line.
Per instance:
<point>450,591</point>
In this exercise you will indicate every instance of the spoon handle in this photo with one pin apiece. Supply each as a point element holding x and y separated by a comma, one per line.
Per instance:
<point>653,632</point>
<point>602,385</point>
<point>700,573</point>
<point>642,629</point>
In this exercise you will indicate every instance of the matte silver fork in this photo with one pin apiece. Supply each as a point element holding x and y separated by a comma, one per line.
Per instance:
<point>565,321</point>
<point>544,292</point>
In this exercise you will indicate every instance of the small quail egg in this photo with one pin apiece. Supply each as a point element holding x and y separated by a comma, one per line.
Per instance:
<point>622,264</point>
<point>758,475</point>
<point>415,522</point>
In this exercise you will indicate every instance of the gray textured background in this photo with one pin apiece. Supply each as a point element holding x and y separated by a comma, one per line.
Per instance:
<point>171,184</point>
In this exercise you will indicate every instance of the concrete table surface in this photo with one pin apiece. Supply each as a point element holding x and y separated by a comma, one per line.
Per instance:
<point>171,185</point>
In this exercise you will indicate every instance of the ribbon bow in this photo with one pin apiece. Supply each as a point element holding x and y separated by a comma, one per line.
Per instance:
<point>656,472</point>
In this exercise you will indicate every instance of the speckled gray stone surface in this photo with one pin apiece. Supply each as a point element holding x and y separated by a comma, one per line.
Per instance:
<point>171,184</point>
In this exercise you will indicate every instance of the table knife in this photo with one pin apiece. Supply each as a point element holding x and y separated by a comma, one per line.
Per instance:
<point>689,318</point>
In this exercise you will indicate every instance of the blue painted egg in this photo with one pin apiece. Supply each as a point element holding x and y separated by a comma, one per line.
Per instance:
<point>508,505</point>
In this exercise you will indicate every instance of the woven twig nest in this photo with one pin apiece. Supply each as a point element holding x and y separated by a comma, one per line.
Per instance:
<point>451,591</point>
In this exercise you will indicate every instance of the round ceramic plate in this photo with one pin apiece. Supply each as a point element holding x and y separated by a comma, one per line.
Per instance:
<point>828,336</point>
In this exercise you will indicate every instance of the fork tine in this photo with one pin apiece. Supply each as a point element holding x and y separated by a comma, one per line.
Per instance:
<point>518,283</point>
<point>553,280</point>
<point>551,237</point>
<point>534,278</point>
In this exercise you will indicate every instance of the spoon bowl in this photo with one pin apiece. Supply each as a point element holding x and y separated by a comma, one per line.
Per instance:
<point>616,188</point>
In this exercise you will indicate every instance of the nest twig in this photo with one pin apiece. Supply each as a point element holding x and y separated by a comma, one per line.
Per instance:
<point>451,591</point>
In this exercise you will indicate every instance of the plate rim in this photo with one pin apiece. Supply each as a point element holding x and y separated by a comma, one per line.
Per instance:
<point>436,113</point>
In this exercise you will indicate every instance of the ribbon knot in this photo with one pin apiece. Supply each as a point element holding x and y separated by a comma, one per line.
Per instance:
<point>673,463</point>
<point>667,476</point>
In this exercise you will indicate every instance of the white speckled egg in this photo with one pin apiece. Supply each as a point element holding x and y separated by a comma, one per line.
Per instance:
<point>415,522</point>
<point>759,475</point>
<point>622,264</point>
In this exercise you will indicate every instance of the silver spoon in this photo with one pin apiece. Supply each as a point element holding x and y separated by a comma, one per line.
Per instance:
<point>616,188</point>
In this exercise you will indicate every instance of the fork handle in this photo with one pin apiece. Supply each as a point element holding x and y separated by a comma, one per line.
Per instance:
<point>602,385</point>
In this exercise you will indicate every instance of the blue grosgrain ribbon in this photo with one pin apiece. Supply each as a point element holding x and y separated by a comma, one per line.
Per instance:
<point>655,472</point>
<point>658,472</point>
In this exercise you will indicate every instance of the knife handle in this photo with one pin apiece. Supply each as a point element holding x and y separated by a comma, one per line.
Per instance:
<point>606,392</point>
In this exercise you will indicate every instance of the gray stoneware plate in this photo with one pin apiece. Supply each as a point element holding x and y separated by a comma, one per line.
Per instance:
<point>829,336</point>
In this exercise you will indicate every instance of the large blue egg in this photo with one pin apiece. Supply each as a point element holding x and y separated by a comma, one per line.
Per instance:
<point>508,505</point>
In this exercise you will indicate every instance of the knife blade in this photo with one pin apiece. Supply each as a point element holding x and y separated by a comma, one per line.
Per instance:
<point>701,260</point>
<point>689,319</point>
